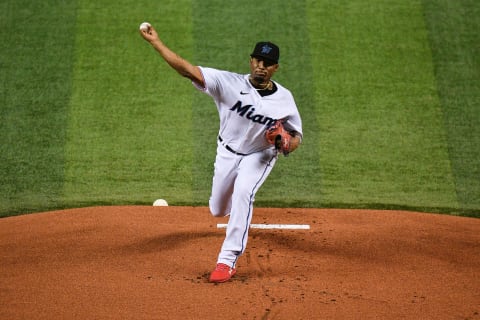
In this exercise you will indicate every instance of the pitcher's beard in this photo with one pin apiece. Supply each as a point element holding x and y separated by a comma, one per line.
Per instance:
<point>259,79</point>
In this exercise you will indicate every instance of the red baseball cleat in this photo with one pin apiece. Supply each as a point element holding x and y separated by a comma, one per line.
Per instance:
<point>222,273</point>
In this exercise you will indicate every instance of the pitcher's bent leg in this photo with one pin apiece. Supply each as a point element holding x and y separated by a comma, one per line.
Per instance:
<point>225,173</point>
<point>253,171</point>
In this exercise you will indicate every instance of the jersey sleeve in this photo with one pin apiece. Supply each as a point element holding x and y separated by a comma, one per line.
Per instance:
<point>294,121</point>
<point>212,78</point>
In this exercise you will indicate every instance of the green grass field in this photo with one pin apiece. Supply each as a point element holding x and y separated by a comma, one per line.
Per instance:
<point>389,92</point>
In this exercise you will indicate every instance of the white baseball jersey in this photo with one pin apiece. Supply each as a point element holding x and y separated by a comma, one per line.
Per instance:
<point>244,114</point>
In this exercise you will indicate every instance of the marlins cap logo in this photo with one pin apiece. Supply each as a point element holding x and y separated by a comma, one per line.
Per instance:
<point>266,49</point>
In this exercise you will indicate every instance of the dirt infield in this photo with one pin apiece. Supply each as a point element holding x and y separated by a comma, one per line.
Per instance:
<point>141,262</point>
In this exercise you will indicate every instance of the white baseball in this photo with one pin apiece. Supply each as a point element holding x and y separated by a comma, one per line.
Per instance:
<point>160,203</point>
<point>145,26</point>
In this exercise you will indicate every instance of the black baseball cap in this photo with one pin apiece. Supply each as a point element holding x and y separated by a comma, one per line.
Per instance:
<point>266,50</point>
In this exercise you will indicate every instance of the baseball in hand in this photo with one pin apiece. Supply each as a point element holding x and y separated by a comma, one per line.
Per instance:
<point>145,26</point>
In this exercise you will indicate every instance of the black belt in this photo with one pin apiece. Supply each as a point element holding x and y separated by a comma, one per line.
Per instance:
<point>230,149</point>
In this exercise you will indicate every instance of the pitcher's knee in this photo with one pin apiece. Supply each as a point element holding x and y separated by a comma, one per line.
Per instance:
<point>217,212</point>
<point>219,207</point>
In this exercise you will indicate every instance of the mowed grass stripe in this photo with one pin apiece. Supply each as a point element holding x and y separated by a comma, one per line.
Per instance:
<point>129,136</point>
<point>36,62</point>
<point>224,38</point>
<point>383,143</point>
<point>454,33</point>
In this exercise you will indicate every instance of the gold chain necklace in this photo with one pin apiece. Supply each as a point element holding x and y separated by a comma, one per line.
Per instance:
<point>268,86</point>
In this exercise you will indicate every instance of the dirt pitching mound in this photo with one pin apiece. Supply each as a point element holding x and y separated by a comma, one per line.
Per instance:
<point>141,262</point>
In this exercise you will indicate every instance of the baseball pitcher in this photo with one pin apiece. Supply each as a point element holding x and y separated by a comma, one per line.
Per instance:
<point>258,121</point>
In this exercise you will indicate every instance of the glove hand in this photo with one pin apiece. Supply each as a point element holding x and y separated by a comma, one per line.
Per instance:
<point>279,137</point>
